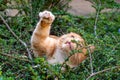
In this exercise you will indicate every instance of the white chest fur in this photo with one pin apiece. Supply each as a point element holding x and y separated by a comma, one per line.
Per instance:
<point>58,57</point>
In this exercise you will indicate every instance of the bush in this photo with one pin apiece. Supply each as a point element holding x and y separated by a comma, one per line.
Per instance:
<point>14,63</point>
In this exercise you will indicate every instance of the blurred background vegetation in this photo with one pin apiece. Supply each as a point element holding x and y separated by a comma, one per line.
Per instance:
<point>14,63</point>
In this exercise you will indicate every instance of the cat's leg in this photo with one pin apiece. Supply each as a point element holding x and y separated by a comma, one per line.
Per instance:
<point>77,58</point>
<point>39,39</point>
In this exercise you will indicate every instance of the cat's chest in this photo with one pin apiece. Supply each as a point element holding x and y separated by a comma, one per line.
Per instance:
<point>58,57</point>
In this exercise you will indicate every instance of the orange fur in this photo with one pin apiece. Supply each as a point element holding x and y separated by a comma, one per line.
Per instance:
<point>66,45</point>
<point>57,49</point>
<point>41,43</point>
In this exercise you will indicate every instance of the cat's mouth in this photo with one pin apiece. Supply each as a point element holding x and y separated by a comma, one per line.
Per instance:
<point>69,44</point>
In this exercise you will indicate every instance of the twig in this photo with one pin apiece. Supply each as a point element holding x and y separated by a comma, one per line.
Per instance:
<point>102,71</point>
<point>31,10</point>
<point>18,58</point>
<point>20,72</point>
<point>90,60</point>
<point>64,63</point>
<point>116,40</point>
<point>22,42</point>
<point>96,20</point>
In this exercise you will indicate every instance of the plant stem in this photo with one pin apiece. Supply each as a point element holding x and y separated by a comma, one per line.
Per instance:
<point>96,20</point>
<point>115,67</point>
<point>22,42</point>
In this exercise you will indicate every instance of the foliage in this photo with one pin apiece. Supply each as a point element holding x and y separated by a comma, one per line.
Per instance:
<point>15,65</point>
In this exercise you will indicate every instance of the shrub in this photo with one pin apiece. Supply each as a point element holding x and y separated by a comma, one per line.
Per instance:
<point>15,65</point>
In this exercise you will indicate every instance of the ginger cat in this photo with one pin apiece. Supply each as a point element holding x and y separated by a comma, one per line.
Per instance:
<point>56,49</point>
<point>66,43</point>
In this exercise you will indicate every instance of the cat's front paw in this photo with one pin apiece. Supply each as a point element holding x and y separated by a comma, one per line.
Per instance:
<point>46,16</point>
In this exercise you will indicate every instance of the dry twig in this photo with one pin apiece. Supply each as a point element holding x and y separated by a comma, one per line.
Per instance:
<point>96,20</point>
<point>90,60</point>
<point>18,58</point>
<point>115,67</point>
<point>22,42</point>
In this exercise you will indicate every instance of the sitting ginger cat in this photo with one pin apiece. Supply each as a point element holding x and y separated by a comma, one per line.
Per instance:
<point>56,49</point>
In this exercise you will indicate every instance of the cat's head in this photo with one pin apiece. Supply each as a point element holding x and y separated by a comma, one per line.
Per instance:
<point>46,16</point>
<point>70,42</point>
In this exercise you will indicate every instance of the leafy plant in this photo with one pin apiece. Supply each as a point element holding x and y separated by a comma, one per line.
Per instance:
<point>14,63</point>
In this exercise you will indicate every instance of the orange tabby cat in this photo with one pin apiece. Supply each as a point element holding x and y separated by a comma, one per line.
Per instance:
<point>66,44</point>
<point>56,49</point>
